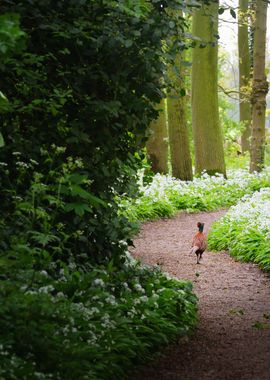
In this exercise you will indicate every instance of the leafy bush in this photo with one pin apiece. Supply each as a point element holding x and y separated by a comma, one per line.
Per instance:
<point>165,195</point>
<point>80,97</point>
<point>85,86</point>
<point>11,36</point>
<point>244,230</point>
<point>94,325</point>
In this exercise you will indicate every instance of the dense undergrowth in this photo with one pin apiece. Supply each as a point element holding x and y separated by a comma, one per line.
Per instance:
<point>245,230</point>
<point>76,98</point>
<point>94,325</point>
<point>165,195</point>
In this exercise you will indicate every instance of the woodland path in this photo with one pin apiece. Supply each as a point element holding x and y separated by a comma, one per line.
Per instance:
<point>233,296</point>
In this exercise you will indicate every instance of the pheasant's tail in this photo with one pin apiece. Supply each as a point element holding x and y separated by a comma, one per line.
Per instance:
<point>194,249</point>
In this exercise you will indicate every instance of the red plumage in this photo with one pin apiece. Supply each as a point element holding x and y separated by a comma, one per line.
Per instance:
<point>199,242</point>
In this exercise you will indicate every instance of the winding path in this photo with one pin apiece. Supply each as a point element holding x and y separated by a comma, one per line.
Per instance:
<point>233,298</point>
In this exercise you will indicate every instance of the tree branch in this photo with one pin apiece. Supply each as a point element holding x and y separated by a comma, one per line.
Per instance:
<point>242,96</point>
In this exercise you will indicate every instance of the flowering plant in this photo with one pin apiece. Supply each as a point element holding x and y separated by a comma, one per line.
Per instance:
<point>89,325</point>
<point>165,195</point>
<point>245,230</point>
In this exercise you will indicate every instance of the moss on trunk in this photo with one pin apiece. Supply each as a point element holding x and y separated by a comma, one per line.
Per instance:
<point>178,130</point>
<point>259,88</point>
<point>244,73</point>
<point>157,144</point>
<point>208,140</point>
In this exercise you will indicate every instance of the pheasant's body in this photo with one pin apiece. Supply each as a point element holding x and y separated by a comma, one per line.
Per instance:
<point>199,242</point>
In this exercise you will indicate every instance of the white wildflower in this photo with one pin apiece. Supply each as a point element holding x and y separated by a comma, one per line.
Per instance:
<point>44,273</point>
<point>99,282</point>
<point>46,289</point>
<point>139,288</point>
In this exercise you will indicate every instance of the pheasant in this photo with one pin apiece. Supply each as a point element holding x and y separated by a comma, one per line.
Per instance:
<point>199,243</point>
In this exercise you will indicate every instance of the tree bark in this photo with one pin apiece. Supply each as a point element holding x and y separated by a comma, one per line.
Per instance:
<point>178,130</point>
<point>259,88</point>
<point>157,144</point>
<point>208,140</point>
<point>244,73</point>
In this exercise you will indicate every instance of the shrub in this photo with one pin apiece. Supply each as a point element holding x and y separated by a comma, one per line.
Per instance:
<point>94,325</point>
<point>244,230</point>
<point>81,95</point>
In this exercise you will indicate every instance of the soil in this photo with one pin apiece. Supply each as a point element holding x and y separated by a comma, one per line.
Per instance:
<point>232,340</point>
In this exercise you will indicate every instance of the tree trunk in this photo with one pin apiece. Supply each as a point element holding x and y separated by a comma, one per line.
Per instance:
<point>157,144</point>
<point>178,130</point>
<point>259,88</point>
<point>208,140</point>
<point>244,73</point>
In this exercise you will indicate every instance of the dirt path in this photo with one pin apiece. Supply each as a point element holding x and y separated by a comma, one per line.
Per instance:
<point>233,296</point>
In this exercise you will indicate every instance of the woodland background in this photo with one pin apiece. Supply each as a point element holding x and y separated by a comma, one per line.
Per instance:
<point>96,97</point>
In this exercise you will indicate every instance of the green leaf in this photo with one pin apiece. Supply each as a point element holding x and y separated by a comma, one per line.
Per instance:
<point>4,103</point>
<point>261,326</point>
<point>27,206</point>
<point>3,97</point>
<point>2,142</point>
<point>128,43</point>
<point>78,178</point>
<point>43,238</point>
<point>182,92</point>
<point>11,36</point>
<point>78,208</point>
<point>220,11</point>
<point>79,191</point>
<point>233,14</point>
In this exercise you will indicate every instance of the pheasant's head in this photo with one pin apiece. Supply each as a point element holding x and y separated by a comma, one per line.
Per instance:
<point>200,226</point>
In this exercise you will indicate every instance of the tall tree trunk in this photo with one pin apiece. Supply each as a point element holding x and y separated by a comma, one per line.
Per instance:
<point>244,73</point>
<point>157,144</point>
<point>178,130</point>
<point>209,153</point>
<point>259,88</point>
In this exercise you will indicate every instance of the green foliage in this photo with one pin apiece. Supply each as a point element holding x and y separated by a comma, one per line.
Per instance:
<point>244,231</point>
<point>2,142</point>
<point>232,131</point>
<point>165,195</point>
<point>80,97</point>
<point>93,325</point>
<point>12,38</point>
<point>83,90</point>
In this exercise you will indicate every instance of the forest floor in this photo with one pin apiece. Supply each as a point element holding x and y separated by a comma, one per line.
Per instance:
<point>232,340</point>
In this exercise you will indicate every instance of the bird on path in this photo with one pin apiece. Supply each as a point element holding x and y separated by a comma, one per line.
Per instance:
<point>199,242</point>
